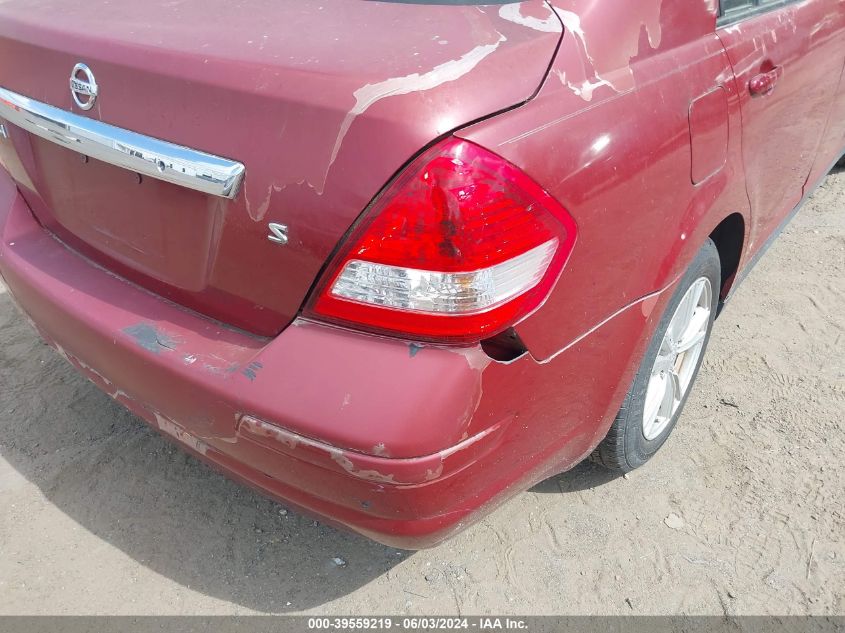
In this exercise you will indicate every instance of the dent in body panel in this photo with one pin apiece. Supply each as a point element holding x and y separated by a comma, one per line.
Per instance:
<point>377,467</point>
<point>646,303</point>
<point>89,372</point>
<point>92,375</point>
<point>164,424</point>
<point>623,158</point>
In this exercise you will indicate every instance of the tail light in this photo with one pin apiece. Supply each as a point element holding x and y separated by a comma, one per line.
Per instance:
<point>460,247</point>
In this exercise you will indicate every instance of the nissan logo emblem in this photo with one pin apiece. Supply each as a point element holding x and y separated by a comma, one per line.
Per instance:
<point>83,87</point>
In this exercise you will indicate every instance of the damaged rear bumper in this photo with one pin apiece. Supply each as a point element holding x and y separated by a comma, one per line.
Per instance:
<point>364,431</point>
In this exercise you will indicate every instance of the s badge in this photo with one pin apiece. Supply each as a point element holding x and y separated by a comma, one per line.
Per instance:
<point>278,233</point>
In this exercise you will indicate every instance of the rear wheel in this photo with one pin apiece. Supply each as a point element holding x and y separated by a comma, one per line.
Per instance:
<point>665,377</point>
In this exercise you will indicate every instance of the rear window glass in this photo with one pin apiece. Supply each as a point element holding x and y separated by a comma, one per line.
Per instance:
<point>730,5</point>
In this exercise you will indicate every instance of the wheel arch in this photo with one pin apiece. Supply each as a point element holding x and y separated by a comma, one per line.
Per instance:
<point>729,237</point>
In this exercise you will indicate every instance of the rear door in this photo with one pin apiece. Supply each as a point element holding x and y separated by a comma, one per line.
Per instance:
<point>786,60</point>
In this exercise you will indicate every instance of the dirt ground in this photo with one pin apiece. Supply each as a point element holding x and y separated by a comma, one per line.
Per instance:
<point>743,511</point>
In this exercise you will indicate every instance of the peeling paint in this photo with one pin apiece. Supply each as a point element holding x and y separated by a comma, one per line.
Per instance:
<point>648,304</point>
<point>174,430</point>
<point>91,374</point>
<point>258,213</point>
<point>434,474</point>
<point>513,13</point>
<point>584,89</point>
<point>87,368</point>
<point>472,404</point>
<point>370,475</point>
<point>369,94</point>
<point>474,356</point>
<point>165,424</point>
<point>608,54</point>
<point>404,469</point>
<point>572,24</point>
<point>457,448</point>
<point>119,393</point>
<point>265,429</point>
<point>296,183</point>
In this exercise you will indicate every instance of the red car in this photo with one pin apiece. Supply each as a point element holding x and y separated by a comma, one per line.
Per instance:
<point>392,262</point>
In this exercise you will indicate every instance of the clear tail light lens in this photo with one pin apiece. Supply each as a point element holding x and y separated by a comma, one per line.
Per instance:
<point>460,247</point>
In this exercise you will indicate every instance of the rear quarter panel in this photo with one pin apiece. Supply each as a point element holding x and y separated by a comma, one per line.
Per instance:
<point>832,143</point>
<point>609,136</point>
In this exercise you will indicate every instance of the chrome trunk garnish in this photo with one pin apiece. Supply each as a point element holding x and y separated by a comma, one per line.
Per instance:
<point>143,154</point>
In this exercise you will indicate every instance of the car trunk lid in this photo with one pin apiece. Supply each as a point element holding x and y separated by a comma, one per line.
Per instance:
<point>320,101</point>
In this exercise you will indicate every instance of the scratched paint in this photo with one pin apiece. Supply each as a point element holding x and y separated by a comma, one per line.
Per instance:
<point>150,337</point>
<point>252,369</point>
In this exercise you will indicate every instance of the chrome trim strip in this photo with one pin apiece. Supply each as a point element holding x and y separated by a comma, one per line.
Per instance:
<point>142,154</point>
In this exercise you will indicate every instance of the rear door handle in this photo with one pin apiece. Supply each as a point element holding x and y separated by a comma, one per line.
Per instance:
<point>764,84</point>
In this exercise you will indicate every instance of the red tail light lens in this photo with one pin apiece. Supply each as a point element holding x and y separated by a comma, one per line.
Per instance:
<point>461,246</point>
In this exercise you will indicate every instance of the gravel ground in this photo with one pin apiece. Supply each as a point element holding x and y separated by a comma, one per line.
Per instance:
<point>743,511</point>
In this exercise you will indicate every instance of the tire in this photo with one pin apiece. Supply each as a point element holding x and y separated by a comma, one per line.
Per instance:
<point>636,435</point>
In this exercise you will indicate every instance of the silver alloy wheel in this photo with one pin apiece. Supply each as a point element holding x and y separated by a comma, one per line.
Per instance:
<point>677,358</point>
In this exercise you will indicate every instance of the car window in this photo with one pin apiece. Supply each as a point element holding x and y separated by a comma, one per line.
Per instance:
<point>731,5</point>
<point>732,10</point>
